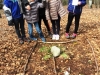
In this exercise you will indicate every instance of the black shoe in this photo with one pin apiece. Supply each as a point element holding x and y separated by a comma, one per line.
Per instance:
<point>49,34</point>
<point>21,41</point>
<point>26,39</point>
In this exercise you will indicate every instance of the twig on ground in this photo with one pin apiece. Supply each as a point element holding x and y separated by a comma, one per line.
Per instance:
<point>94,56</point>
<point>60,42</point>
<point>55,66</point>
<point>29,58</point>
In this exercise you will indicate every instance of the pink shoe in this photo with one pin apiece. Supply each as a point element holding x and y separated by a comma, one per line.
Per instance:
<point>67,35</point>
<point>74,35</point>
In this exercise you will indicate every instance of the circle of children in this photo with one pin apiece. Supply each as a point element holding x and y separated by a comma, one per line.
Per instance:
<point>33,11</point>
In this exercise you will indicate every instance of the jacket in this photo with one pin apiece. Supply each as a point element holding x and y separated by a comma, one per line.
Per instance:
<point>32,15</point>
<point>15,7</point>
<point>76,9</point>
<point>53,9</point>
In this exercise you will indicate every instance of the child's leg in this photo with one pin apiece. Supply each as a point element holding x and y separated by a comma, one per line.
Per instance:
<point>77,19</point>
<point>16,22</point>
<point>30,31</point>
<point>39,31</point>
<point>46,23</point>
<point>58,25</point>
<point>53,26</point>
<point>21,20</point>
<point>70,18</point>
<point>39,21</point>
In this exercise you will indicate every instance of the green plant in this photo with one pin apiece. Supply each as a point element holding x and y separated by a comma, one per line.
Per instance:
<point>46,52</point>
<point>64,55</point>
<point>46,57</point>
<point>43,49</point>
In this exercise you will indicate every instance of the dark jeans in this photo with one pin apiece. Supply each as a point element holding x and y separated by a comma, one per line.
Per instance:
<point>56,25</point>
<point>70,19</point>
<point>19,27</point>
<point>45,22</point>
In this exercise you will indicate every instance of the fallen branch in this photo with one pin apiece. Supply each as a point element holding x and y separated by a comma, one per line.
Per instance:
<point>59,42</point>
<point>94,56</point>
<point>29,58</point>
<point>55,66</point>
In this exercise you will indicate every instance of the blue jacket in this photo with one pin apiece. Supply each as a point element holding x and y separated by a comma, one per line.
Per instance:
<point>14,6</point>
<point>76,9</point>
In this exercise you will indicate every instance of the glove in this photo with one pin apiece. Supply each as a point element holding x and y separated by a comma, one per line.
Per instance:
<point>10,23</point>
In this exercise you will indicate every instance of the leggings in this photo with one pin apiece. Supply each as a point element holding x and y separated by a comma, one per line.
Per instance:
<point>45,22</point>
<point>70,19</point>
<point>56,25</point>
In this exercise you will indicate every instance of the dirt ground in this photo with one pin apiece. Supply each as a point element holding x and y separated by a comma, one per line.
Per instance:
<point>79,56</point>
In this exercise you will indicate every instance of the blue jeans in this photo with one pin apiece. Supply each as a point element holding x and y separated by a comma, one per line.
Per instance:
<point>30,30</point>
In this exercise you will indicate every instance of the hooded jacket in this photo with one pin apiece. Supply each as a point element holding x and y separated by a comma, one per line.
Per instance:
<point>76,9</point>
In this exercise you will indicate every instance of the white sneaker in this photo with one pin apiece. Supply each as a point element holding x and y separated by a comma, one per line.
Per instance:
<point>53,37</point>
<point>57,37</point>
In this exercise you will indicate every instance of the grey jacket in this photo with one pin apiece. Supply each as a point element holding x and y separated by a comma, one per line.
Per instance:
<point>31,16</point>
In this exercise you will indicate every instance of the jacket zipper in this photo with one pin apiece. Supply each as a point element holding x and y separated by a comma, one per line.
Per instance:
<point>74,8</point>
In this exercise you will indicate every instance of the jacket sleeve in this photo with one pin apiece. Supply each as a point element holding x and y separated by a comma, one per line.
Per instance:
<point>47,11</point>
<point>5,2</point>
<point>83,2</point>
<point>41,5</point>
<point>25,2</point>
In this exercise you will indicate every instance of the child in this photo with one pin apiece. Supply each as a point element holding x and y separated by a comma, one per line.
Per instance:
<point>42,16</point>
<point>31,17</point>
<point>75,10</point>
<point>15,10</point>
<point>54,11</point>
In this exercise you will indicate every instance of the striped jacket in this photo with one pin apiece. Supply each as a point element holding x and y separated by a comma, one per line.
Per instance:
<point>53,9</point>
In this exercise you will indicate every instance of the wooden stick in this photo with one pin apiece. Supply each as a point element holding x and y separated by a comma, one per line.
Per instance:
<point>94,57</point>
<point>29,58</point>
<point>59,42</point>
<point>55,66</point>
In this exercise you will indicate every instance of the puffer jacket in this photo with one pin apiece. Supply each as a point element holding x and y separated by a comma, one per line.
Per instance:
<point>53,9</point>
<point>76,9</point>
<point>31,16</point>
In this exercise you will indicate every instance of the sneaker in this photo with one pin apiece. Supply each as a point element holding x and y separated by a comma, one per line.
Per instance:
<point>26,39</point>
<point>33,38</point>
<point>53,37</point>
<point>67,35</point>
<point>57,37</point>
<point>43,39</point>
<point>73,36</point>
<point>21,41</point>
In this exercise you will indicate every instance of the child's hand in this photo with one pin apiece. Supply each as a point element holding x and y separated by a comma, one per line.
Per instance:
<point>28,7</point>
<point>79,3</point>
